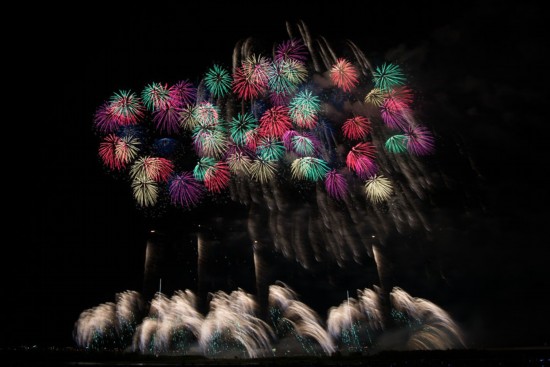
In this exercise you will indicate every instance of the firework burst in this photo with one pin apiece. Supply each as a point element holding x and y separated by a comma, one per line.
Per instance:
<point>309,168</point>
<point>293,49</point>
<point>202,166</point>
<point>396,144</point>
<point>304,108</point>
<point>240,126</point>
<point>378,188</point>
<point>336,185</point>
<point>145,191</point>
<point>153,168</point>
<point>218,81</point>
<point>420,140</point>
<point>107,152</point>
<point>356,128</point>
<point>126,107</point>
<point>252,78</point>
<point>263,170</point>
<point>185,190</point>
<point>375,97</point>
<point>167,118</point>
<point>156,96</point>
<point>388,76</point>
<point>182,94</point>
<point>275,122</point>
<point>360,159</point>
<point>127,149</point>
<point>216,177</point>
<point>344,75</point>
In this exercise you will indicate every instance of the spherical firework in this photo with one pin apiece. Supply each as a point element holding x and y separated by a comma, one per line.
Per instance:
<point>398,98</point>
<point>356,128</point>
<point>127,149</point>
<point>336,185</point>
<point>105,119</point>
<point>304,108</point>
<point>275,122</point>
<point>278,82</point>
<point>145,190</point>
<point>216,178</point>
<point>304,144</point>
<point>202,166</point>
<point>126,107</point>
<point>263,170</point>
<point>420,140</point>
<point>388,76</point>
<point>375,97</point>
<point>394,118</point>
<point>294,71</point>
<point>239,162</point>
<point>309,168</point>
<point>187,119</point>
<point>218,81</point>
<point>153,168</point>
<point>271,149</point>
<point>156,96</point>
<point>396,144</point>
<point>185,190</point>
<point>360,159</point>
<point>209,142</point>
<point>107,152</point>
<point>206,114</point>
<point>251,79</point>
<point>240,125</point>
<point>293,49</point>
<point>167,119</point>
<point>182,94</point>
<point>344,75</point>
<point>378,188</point>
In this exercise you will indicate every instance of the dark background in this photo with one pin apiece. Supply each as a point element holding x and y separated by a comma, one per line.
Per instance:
<point>78,237</point>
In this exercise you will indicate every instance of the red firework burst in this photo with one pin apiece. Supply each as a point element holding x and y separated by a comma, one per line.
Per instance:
<point>344,75</point>
<point>275,122</point>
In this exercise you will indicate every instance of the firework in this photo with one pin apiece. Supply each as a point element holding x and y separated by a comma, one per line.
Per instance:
<point>375,97</point>
<point>393,118</point>
<point>356,128</point>
<point>182,94</point>
<point>279,83</point>
<point>293,49</point>
<point>185,190</point>
<point>167,119</point>
<point>239,162</point>
<point>420,140</point>
<point>127,149</point>
<point>187,119</point>
<point>336,184</point>
<point>388,76</point>
<point>216,177</point>
<point>107,152</point>
<point>360,159</point>
<point>309,168</point>
<point>271,149</point>
<point>378,188</point>
<point>209,142</point>
<point>240,125</point>
<point>145,190</point>
<point>202,166</point>
<point>396,144</point>
<point>152,168</point>
<point>304,108</point>
<point>251,79</point>
<point>126,107</point>
<point>218,81</point>
<point>206,114</point>
<point>156,96</point>
<point>275,122</point>
<point>263,170</point>
<point>344,75</point>
<point>105,119</point>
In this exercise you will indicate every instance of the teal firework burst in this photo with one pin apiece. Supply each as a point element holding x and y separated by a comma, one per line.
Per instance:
<point>303,145</point>
<point>396,144</point>
<point>388,76</point>
<point>240,126</point>
<point>278,80</point>
<point>202,166</point>
<point>218,81</point>
<point>304,108</point>
<point>271,149</point>
<point>156,96</point>
<point>309,168</point>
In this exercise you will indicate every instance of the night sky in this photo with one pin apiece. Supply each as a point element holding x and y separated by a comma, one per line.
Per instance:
<point>80,237</point>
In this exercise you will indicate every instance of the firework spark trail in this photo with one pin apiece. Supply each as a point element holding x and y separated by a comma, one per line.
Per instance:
<point>437,330</point>
<point>232,316</point>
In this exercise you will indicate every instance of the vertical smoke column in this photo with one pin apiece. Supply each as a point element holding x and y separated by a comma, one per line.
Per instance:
<point>202,272</point>
<point>154,263</point>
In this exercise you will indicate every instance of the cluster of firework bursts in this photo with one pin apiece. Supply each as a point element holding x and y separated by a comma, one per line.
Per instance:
<point>232,326</point>
<point>267,118</point>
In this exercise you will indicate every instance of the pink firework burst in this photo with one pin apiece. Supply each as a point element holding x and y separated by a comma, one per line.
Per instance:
<point>394,118</point>
<point>399,98</point>
<point>360,159</point>
<point>420,140</point>
<point>185,190</point>
<point>105,119</point>
<point>252,139</point>
<point>275,122</point>
<point>287,138</point>
<point>293,49</point>
<point>182,94</point>
<point>107,152</point>
<point>126,107</point>
<point>356,128</point>
<point>167,118</point>
<point>217,177</point>
<point>153,168</point>
<point>344,75</point>
<point>279,99</point>
<point>336,185</point>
